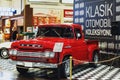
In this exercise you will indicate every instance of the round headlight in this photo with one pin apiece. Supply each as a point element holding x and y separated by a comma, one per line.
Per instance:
<point>13,52</point>
<point>10,52</point>
<point>52,54</point>
<point>49,54</point>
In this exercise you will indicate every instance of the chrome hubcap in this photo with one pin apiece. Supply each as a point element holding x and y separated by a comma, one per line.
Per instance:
<point>96,58</point>
<point>67,67</point>
<point>4,53</point>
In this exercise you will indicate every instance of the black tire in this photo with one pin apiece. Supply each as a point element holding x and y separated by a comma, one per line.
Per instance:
<point>21,70</point>
<point>95,59</point>
<point>65,68</point>
<point>4,53</point>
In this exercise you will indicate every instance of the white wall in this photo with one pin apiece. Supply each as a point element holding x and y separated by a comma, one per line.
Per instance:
<point>5,3</point>
<point>43,5</point>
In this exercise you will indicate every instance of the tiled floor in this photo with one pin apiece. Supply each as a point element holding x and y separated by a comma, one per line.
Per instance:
<point>5,65</point>
<point>102,72</point>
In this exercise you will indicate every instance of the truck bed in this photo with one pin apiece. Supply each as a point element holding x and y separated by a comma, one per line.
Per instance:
<point>91,42</point>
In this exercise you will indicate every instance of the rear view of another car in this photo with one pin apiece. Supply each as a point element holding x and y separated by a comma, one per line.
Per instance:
<point>4,49</point>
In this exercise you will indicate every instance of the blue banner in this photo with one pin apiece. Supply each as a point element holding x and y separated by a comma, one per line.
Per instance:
<point>96,16</point>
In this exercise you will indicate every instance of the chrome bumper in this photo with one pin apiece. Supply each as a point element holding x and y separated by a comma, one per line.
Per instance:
<point>34,64</point>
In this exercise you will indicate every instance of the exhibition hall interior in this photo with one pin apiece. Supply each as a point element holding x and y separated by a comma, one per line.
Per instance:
<point>59,39</point>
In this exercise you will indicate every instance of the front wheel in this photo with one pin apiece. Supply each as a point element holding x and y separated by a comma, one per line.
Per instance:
<point>65,68</point>
<point>4,53</point>
<point>21,70</point>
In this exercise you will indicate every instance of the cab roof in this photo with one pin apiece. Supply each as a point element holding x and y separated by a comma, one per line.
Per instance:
<point>62,25</point>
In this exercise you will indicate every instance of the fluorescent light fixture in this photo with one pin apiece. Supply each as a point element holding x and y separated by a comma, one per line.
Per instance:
<point>43,1</point>
<point>67,1</point>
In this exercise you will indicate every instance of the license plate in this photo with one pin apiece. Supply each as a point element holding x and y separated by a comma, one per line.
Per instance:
<point>19,63</point>
<point>28,64</point>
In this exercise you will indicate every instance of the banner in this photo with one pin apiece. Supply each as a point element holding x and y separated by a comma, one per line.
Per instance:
<point>96,16</point>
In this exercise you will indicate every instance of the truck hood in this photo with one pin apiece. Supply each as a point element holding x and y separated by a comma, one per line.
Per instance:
<point>42,43</point>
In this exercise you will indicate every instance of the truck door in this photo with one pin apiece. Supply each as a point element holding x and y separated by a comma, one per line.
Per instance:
<point>80,47</point>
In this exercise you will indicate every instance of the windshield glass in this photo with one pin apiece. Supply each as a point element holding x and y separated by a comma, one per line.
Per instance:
<point>63,32</point>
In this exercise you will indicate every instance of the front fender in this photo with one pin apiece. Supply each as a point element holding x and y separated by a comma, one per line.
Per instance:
<point>64,53</point>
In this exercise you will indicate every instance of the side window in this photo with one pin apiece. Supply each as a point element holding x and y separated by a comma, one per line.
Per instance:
<point>78,34</point>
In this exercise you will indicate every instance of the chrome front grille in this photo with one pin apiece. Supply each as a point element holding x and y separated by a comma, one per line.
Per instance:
<point>30,54</point>
<point>30,59</point>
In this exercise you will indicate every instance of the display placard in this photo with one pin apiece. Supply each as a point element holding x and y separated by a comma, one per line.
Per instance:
<point>58,47</point>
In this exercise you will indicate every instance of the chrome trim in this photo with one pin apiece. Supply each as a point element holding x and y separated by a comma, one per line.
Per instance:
<point>30,54</point>
<point>35,64</point>
<point>68,47</point>
<point>36,54</point>
<point>31,45</point>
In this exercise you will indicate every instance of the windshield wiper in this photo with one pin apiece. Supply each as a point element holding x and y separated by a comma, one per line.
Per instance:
<point>44,33</point>
<point>56,33</point>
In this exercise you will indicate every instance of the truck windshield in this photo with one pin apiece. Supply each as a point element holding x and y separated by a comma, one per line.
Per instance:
<point>62,32</point>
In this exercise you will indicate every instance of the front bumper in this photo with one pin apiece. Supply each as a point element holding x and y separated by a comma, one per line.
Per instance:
<point>34,64</point>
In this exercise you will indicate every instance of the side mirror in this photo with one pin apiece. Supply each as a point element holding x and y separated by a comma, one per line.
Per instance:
<point>78,35</point>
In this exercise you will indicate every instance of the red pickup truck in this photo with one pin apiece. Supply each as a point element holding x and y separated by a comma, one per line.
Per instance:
<point>54,44</point>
